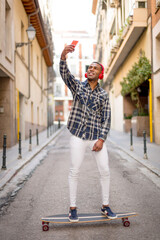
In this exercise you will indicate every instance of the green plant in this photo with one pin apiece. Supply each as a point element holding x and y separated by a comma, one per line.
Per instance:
<point>140,72</point>
<point>127,116</point>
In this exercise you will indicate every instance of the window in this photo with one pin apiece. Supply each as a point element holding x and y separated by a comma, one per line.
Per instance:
<point>37,68</point>
<point>158,3</point>
<point>31,51</point>
<point>86,67</point>
<point>8,24</point>
<point>141,4</point>
<point>58,91</point>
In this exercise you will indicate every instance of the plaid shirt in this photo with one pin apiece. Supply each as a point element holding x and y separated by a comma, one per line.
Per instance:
<point>90,116</point>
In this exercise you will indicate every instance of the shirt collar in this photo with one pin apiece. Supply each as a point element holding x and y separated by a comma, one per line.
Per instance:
<point>86,83</point>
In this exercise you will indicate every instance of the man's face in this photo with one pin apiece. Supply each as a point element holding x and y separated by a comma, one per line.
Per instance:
<point>93,72</point>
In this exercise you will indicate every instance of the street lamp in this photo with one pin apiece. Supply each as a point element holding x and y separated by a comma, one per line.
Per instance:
<point>31,32</point>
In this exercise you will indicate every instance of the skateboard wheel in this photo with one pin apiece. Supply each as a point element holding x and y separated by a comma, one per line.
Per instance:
<point>43,223</point>
<point>45,227</point>
<point>126,223</point>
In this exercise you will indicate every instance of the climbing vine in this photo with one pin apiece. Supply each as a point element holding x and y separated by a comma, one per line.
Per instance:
<point>140,72</point>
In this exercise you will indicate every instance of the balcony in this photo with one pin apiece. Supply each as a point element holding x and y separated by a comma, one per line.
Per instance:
<point>130,38</point>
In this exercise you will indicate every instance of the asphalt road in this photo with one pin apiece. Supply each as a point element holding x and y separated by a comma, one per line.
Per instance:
<point>46,193</point>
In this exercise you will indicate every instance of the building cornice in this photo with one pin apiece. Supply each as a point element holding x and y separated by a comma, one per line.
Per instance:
<point>94,6</point>
<point>36,20</point>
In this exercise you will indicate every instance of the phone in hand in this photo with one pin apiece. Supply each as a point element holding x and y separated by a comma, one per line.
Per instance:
<point>74,42</point>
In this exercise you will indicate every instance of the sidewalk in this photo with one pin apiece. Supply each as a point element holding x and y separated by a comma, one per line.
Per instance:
<point>122,141</point>
<point>14,164</point>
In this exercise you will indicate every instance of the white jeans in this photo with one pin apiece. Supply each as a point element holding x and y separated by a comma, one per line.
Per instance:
<point>78,147</point>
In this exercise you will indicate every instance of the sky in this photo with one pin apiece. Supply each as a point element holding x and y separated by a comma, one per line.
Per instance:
<point>73,15</point>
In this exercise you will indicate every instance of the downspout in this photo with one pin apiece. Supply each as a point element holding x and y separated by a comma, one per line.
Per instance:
<point>42,71</point>
<point>151,91</point>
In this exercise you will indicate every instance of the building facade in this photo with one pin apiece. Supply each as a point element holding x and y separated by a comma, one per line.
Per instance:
<point>124,34</point>
<point>7,73</point>
<point>24,70</point>
<point>155,14</point>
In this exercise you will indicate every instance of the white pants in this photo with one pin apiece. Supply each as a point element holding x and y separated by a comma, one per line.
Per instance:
<point>78,147</point>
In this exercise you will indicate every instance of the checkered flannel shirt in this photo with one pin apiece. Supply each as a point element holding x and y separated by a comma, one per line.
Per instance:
<point>90,116</point>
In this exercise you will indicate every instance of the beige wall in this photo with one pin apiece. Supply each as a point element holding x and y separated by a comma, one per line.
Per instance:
<point>7,80</point>
<point>36,106</point>
<point>7,38</point>
<point>7,117</point>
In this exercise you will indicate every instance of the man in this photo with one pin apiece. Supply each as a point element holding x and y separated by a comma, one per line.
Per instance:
<point>89,124</point>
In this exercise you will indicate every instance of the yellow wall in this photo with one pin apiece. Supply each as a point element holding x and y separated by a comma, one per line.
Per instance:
<point>143,43</point>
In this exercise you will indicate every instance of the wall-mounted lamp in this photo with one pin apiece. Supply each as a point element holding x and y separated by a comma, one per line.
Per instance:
<point>31,32</point>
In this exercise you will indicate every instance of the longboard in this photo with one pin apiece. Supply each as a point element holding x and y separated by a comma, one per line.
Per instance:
<point>85,218</point>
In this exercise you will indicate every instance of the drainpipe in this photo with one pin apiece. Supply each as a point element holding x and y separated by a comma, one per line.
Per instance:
<point>42,71</point>
<point>151,82</point>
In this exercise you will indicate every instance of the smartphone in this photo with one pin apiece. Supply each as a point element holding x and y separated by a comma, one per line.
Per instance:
<point>74,42</point>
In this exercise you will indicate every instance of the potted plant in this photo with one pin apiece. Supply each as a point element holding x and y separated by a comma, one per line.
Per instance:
<point>127,122</point>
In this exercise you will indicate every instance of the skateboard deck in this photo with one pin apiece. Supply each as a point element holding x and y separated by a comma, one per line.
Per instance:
<point>85,218</point>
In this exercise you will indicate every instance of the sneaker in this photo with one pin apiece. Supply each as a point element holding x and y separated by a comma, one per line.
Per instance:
<point>73,217</point>
<point>108,212</point>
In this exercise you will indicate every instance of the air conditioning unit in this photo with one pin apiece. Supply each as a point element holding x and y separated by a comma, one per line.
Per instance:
<point>158,3</point>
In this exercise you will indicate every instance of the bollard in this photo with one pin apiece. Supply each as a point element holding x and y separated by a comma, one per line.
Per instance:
<point>37,137</point>
<point>51,130</point>
<point>131,140</point>
<point>47,132</point>
<point>4,152</point>
<point>30,140</point>
<point>20,148</point>
<point>145,145</point>
<point>59,123</point>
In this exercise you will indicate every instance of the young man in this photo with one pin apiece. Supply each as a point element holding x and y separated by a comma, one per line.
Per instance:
<point>89,123</point>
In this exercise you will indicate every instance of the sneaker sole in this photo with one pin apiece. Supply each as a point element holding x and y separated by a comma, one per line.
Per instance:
<point>108,216</point>
<point>73,220</point>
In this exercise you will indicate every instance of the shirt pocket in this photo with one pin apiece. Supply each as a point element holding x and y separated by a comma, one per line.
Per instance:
<point>96,104</point>
<point>81,96</point>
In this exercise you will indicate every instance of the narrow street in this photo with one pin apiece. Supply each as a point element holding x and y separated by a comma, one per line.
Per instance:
<point>46,193</point>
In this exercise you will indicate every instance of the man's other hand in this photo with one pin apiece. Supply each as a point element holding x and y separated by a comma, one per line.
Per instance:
<point>98,146</point>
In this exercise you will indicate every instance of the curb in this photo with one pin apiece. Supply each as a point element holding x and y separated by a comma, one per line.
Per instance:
<point>145,163</point>
<point>10,173</point>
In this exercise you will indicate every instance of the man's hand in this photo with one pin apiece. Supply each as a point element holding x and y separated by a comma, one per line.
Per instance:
<point>98,146</point>
<point>66,50</point>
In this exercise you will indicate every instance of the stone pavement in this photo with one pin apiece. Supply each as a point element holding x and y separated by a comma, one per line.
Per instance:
<point>121,140</point>
<point>14,165</point>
